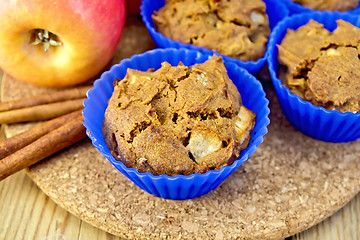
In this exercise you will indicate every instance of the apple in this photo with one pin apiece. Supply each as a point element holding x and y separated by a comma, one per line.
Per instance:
<point>58,43</point>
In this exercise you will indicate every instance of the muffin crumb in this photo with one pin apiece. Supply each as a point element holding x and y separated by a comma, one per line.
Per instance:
<point>335,5</point>
<point>177,120</point>
<point>236,28</point>
<point>326,69</point>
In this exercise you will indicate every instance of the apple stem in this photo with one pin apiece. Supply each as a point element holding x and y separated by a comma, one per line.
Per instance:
<point>44,37</point>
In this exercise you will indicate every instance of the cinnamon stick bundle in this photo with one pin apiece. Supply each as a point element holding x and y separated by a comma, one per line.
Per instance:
<point>62,95</point>
<point>16,142</point>
<point>50,143</point>
<point>41,112</point>
<point>45,139</point>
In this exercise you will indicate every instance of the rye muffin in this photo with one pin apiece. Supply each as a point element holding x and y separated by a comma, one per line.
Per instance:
<point>326,69</point>
<point>236,28</point>
<point>177,187</point>
<point>316,81</point>
<point>333,5</point>
<point>177,119</point>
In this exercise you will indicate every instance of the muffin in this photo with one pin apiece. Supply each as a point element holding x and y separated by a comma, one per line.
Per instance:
<point>177,120</point>
<point>275,12</point>
<point>334,5</point>
<point>326,69</point>
<point>177,187</point>
<point>300,6</point>
<point>236,28</point>
<point>313,63</point>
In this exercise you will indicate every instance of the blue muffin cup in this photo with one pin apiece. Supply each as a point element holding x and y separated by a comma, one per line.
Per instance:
<point>314,121</point>
<point>275,10</point>
<point>296,8</point>
<point>174,187</point>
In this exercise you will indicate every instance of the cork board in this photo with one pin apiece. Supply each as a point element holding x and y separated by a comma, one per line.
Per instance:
<point>289,184</point>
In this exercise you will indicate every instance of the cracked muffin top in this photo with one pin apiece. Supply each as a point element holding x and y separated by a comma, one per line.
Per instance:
<point>333,5</point>
<point>177,119</point>
<point>325,70</point>
<point>236,28</point>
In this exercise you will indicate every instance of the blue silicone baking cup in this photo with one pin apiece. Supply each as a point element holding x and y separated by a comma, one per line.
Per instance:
<point>314,121</point>
<point>275,10</point>
<point>174,187</point>
<point>296,8</point>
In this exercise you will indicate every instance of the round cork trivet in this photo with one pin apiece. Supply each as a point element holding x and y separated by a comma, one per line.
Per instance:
<point>289,184</point>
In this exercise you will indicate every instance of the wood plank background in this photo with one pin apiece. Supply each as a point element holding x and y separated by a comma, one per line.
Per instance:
<point>27,213</point>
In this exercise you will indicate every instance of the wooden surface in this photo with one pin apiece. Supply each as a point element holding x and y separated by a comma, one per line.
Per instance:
<point>27,213</point>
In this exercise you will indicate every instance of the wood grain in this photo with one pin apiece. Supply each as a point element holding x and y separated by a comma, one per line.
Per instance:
<point>40,221</point>
<point>27,213</point>
<point>345,224</point>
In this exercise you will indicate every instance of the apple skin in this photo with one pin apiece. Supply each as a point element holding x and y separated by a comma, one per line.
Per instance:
<point>89,30</point>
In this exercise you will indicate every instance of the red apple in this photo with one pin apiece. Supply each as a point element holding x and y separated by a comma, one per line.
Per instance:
<point>58,43</point>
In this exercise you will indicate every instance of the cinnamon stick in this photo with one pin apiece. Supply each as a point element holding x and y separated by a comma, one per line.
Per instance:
<point>43,147</point>
<point>18,141</point>
<point>62,95</point>
<point>41,112</point>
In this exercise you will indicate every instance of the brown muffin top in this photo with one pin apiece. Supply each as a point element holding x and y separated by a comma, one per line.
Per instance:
<point>236,28</point>
<point>323,67</point>
<point>332,5</point>
<point>177,120</point>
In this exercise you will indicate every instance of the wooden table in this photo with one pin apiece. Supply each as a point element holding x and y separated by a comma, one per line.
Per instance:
<point>27,213</point>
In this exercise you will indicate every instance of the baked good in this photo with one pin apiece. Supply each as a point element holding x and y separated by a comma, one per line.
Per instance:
<point>325,70</point>
<point>177,120</point>
<point>236,28</point>
<point>332,5</point>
